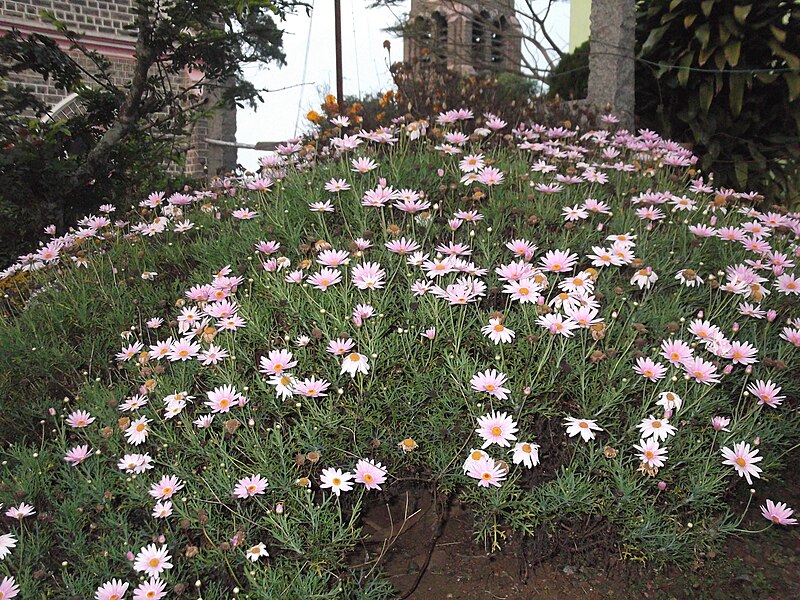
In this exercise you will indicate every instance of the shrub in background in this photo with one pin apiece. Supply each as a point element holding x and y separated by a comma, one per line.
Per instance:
<point>734,91</point>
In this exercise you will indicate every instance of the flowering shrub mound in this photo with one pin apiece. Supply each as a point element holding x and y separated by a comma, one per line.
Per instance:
<point>547,324</point>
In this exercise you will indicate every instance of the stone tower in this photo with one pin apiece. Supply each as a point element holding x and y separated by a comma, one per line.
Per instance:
<point>102,24</point>
<point>470,37</point>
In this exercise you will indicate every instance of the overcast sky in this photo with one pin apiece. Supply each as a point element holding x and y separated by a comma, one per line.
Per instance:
<point>365,65</point>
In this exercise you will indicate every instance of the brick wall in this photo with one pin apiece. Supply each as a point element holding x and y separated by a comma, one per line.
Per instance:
<point>103,24</point>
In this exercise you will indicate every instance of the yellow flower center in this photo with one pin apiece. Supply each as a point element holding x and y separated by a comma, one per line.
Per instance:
<point>277,367</point>
<point>140,427</point>
<point>741,462</point>
<point>583,425</point>
<point>285,380</point>
<point>368,478</point>
<point>649,454</point>
<point>251,488</point>
<point>656,424</point>
<point>577,281</point>
<point>527,448</point>
<point>166,490</point>
<point>355,357</point>
<point>524,291</point>
<point>496,430</point>
<point>556,267</point>
<point>183,353</point>
<point>486,476</point>
<point>224,403</point>
<point>476,455</point>
<point>499,327</point>
<point>489,387</point>
<point>336,481</point>
<point>153,562</point>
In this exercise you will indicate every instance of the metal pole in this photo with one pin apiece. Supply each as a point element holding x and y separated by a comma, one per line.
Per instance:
<point>337,18</point>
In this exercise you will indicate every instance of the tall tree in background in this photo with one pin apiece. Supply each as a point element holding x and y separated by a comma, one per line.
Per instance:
<point>611,58</point>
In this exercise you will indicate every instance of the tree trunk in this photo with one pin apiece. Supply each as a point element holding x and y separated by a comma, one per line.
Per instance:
<point>130,109</point>
<point>611,58</point>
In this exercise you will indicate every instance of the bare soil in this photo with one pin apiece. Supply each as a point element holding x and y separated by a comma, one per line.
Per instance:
<point>428,557</point>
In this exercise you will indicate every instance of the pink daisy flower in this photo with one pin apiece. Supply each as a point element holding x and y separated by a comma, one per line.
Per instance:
<point>333,258</point>
<point>8,588</point>
<point>337,185</point>
<point>340,346</point>
<point>162,510</point>
<point>152,560</point>
<point>788,284</point>
<point>496,428</point>
<point>152,589</point>
<point>250,486</point>
<point>110,590</point>
<point>222,399</point>
<point>743,460</point>
<point>701,371</point>
<point>766,392</point>
<point>742,353</point>
<point>490,382</point>
<point>77,455</point>
<point>311,388</point>
<point>651,454</point>
<point>371,474</point>
<point>166,488</point>
<point>523,291</point>
<point>183,350</point>
<point>368,276</point>
<point>80,419</point>
<point>778,513</point>
<point>556,323</point>
<point>676,351</point>
<point>276,362</point>
<point>791,335</point>
<point>487,472</point>
<point>558,261</point>
<point>522,248</point>
<point>650,369</point>
<point>20,512</point>
<point>137,431</point>
<point>402,246</point>
<point>325,278</point>
<point>720,423</point>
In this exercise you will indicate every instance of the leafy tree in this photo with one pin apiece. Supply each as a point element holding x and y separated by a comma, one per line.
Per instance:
<point>56,171</point>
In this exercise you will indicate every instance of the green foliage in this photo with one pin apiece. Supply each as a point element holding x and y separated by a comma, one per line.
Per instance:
<point>734,91</point>
<point>570,77</point>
